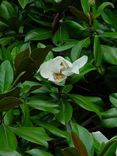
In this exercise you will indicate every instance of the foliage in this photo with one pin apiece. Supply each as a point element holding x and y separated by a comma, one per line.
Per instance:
<point>77,117</point>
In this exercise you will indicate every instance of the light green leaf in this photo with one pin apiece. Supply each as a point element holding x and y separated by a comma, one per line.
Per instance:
<point>38,152</point>
<point>11,153</point>
<point>8,140</point>
<point>113,99</point>
<point>6,76</point>
<point>36,135</point>
<point>44,105</point>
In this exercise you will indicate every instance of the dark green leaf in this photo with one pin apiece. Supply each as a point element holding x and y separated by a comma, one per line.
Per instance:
<point>102,7</point>
<point>38,34</point>
<point>85,6</point>
<point>76,50</point>
<point>85,103</point>
<point>65,114</point>
<point>97,52</point>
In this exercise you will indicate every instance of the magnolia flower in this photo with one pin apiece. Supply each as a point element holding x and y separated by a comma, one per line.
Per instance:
<point>58,69</point>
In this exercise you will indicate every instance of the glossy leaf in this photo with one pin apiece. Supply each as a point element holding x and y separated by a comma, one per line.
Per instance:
<point>38,34</point>
<point>6,76</point>
<point>83,140</point>
<point>35,135</point>
<point>65,113</point>
<point>8,140</point>
<point>45,105</point>
<point>38,152</point>
<point>86,104</point>
<point>54,130</point>
<point>76,50</point>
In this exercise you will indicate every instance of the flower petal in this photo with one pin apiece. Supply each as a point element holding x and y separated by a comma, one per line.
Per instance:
<point>79,63</point>
<point>46,69</point>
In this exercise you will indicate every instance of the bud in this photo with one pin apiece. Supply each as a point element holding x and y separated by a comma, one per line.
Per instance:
<point>91,2</point>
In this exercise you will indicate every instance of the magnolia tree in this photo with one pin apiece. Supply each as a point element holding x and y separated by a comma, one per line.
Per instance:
<point>58,74</point>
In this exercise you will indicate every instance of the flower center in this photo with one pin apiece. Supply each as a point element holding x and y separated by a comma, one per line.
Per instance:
<point>58,76</point>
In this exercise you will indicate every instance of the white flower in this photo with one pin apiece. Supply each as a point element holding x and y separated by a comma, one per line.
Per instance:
<point>58,69</point>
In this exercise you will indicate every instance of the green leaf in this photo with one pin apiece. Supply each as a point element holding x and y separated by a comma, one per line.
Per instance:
<point>38,34</point>
<point>76,50</point>
<point>86,139</point>
<point>8,140</point>
<point>111,113</point>
<point>110,18</point>
<point>35,135</point>
<point>109,35</point>
<point>101,8</point>
<point>6,10</point>
<point>113,99</point>
<point>109,118</point>
<point>65,114</point>
<point>44,105</point>
<point>85,103</point>
<point>64,47</point>
<point>23,3</point>
<point>54,130</point>
<point>97,52</point>
<point>109,54</point>
<point>6,76</point>
<point>85,6</point>
<point>38,152</point>
<point>109,148</point>
<point>11,153</point>
<point>60,36</point>
<point>74,25</point>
